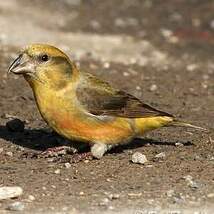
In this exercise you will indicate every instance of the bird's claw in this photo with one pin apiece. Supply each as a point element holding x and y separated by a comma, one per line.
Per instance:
<point>58,151</point>
<point>81,157</point>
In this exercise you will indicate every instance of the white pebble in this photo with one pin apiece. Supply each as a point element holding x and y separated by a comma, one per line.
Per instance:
<point>173,39</point>
<point>126,74</point>
<point>31,197</point>
<point>170,193</point>
<point>190,182</point>
<point>113,196</point>
<point>104,202</point>
<point>166,33</point>
<point>57,171</point>
<point>44,188</point>
<point>10,154</point>
<point>138,157</point>
<point>10,192</point>
<point>191,67</point>
<point>139,194</point>
<point>67,165</point>
<point>138,87</point>
<point>161,155</point>
<point>210,195</point>
<point>179,144</point>
<point>153,87</point>
<point>212,24</point>
<point>106,65</point>
<point>16,206</point>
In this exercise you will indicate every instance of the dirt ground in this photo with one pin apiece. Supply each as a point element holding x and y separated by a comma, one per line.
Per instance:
<point>159,51</point>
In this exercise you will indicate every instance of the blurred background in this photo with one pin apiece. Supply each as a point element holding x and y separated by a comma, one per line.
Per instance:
<point>160,51</point>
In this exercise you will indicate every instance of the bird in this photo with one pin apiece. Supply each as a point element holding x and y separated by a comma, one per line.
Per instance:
<point>80,106</point>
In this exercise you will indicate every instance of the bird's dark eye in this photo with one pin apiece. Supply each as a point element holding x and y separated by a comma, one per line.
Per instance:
<point>44,58</point>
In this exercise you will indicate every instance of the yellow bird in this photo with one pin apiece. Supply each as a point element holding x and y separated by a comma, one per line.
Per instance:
<point>79,106</point>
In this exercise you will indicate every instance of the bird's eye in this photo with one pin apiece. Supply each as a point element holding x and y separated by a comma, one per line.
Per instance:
<point>44,58</point>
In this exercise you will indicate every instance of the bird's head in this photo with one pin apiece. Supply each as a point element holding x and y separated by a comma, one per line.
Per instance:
<point>43,64</point>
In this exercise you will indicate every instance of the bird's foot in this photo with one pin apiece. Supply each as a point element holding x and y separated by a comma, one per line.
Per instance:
<point>58,151</point>
<point>81,157</point>
<point>99,149</point>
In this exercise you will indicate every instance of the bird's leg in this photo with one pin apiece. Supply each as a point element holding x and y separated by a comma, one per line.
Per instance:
<point>59,150</point>
<point>99,149</point>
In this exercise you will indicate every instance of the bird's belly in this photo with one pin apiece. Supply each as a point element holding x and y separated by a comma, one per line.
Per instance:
<point>89,129</point>
<point>72,123</point>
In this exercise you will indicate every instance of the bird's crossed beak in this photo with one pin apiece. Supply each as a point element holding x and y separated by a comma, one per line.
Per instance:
<point>21,65</point>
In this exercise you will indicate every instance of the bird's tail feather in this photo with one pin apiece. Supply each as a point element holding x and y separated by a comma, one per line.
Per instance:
<point>179,123</point>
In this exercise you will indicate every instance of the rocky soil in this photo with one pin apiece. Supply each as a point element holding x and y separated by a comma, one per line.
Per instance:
<point>159,51</point>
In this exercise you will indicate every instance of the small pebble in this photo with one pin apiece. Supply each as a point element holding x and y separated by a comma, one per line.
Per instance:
<point>67,165</point>
<point>16,206</point>
<point>10,154</point>
<point>21,148</point>
<point>57,171</point>
<point>104,202</point>
<point>161,155</point>
<point>191,183</point>
<point>9,116</point>
<point>15,125</point>
<point>149,166</point>
<point>211,158</point>
<point>31,197</point>
<point>106,65</point>
<point>212,24</point>
<point>170,193</point>
<point>138,87</point>
<point>1,150</point>
<point>210,195</point>
<point>166,33</point>
<point>10,192</point>
<point>153,87</point>
<point>138,157</point>
<point>126,74</point>
<point>65,209</point>
<point>111,208</point>
<point>50,160</point>
<point>133,195</point>
<point>179,144</point>
<point>191,67</point>
<point>113,196</point>
<point>173,39</point>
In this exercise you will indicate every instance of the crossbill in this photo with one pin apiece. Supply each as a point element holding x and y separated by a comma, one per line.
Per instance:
<point>81,107</point>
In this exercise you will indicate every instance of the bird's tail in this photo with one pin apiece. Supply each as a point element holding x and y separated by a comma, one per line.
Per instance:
<point>147,124</point>
<point>179,123</point>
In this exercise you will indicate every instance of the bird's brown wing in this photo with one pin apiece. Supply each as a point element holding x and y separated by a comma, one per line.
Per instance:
<point>99,98</point>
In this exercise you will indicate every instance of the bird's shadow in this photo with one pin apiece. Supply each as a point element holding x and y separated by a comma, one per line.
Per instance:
<point>42,139</point>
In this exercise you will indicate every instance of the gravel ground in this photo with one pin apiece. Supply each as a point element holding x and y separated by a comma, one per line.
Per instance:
<point>161,52</point>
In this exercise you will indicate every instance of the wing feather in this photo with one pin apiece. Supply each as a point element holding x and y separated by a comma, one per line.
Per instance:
<point>99,98</point>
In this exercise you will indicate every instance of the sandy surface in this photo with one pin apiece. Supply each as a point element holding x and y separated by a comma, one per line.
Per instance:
<point>160,52</point>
